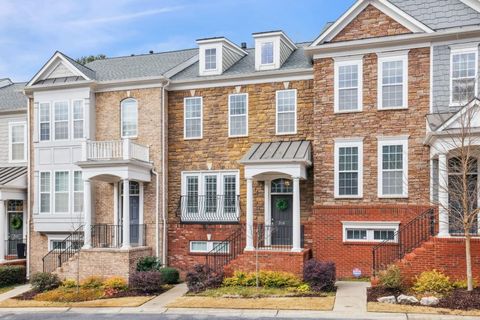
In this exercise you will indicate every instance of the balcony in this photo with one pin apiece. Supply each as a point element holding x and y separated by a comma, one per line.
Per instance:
<point>114,150</point>
<point>209,209</point>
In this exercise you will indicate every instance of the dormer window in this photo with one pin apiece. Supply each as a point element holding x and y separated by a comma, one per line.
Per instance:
<point>272,49</point>
<point>211,59</point>
<point>217,55</point>
<point>267,53</point>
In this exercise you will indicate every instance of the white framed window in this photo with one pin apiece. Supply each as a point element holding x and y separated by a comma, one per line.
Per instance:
<point>62,193</point>
<point>45,191</point>
<point>78,119</point>
<point>348,92</point>
<point>193,114</point>
<point>77,192</point>
<point>266,53</point>
<point>61,118</point>
<point>129,115</point>
<point>349,168</point>
<point>370,231</point>
<point>286,107</point>
<point>209,246</point>
<point>44,121</point>
<point>463,74</point>
<point>211,59</point>
<point>238,115</point>
<point>393,167</point>
<point>393,81</point>
<point>17,137</point>
<point>57,242</point>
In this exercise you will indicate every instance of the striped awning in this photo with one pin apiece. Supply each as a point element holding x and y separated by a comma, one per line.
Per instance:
<point>8,174</point>
<point>279,152</point>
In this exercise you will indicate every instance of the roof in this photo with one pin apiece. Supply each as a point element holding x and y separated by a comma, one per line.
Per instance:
<point>12,97</point>
<point>281,151</point>
<point>85,70</point>
<point>8,174</point>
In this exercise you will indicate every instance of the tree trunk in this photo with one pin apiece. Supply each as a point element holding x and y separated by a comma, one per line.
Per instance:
<point>468,256</point>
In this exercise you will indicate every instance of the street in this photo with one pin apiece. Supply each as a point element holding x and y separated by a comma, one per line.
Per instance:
<point>116,316</point>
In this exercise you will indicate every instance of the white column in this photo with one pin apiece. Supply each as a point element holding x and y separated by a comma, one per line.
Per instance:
<point>3,219</point>
<point>87,209</point>
<point>250,230</point>
<point>268,214</point>
<point>443,196</point>
<point>126,214</point>
<point>296,245</point>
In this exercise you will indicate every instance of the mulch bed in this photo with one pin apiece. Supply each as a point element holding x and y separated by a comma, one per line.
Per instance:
<point>30,295</point>
<point>377,292</point>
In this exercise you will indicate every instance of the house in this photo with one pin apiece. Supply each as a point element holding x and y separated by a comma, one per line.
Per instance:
<point>273,154</point>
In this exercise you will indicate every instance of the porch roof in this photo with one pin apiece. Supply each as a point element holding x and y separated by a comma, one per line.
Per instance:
<point>8,174</point>
<point>279,152</point>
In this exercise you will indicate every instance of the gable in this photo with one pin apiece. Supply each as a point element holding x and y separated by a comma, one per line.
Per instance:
<point>60,71</point>
<point>370,23</point>
<point>464,119</point>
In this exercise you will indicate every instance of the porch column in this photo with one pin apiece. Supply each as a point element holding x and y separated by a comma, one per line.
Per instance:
<point>268,214</point>
<point>250,230</point>
<point>126,214</point>
<point>443,219</point>
<point>87,209</point>
<point>3,219</point>
<point>296,243</point>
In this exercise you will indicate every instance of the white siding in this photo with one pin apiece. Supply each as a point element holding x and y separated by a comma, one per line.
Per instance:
<point>229,58</point>
<point>61,71</point>
<point>285,52</point>
<point>5,119</point>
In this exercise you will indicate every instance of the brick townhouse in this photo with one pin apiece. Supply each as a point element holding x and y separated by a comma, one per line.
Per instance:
<point>333,149</point>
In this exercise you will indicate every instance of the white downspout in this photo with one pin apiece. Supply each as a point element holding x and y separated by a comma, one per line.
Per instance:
<point>156,213</point>
<point>164,180</point>
<point>28,187</point>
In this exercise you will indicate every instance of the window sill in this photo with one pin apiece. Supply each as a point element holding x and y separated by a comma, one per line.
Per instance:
<point>285,133</point>
<point>240,136</point>
<point>367,242</point>
<point>393,196</point>
<point>195,138</point>
<point>392,108</point>
<point>348,197</point>
<point>347,111</point>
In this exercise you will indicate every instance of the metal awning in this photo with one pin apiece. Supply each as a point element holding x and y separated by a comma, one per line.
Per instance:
<point>8,174</point>
<point>279,152</point>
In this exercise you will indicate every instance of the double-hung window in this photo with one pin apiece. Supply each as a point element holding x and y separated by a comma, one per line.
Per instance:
<point>77,192</point>
<point>193,117</point>
<point>349,168</point>
<point>78,119</point>
<point>129,113</point>
<point>286,111</point>
<point>238,115</point>
<point>348,95</point>
<point>61,116</point>
<point>267,53</point>
<point>44,124</point>
<point>464,66</point>
<point>393,81</point>
<point>17,141</point>
<point>354,231</point>
<point>393,167</point>
<point>211,59</point>
<point>45,192</point>
<point>62,191</point>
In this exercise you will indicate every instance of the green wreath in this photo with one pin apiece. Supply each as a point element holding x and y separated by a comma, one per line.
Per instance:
<point>281,204</point>
<point>16,222</point>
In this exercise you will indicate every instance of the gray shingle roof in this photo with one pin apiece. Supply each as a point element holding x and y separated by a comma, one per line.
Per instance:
<point>12,97</point>
<point>281,151</point>
<point>8,174</point>
<point>85,70</point>
<point>246,65</point>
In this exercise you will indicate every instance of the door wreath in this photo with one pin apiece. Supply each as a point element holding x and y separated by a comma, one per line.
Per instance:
<point>281,204</point>
<point>16,222</point>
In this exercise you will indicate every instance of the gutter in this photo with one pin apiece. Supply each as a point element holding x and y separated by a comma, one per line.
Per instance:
<point>29,205</point>
<point>164,175</point>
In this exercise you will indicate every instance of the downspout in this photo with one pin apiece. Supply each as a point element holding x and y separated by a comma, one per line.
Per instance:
<point>164,180</point>
<point>29,211</point>
<point>156,212</point>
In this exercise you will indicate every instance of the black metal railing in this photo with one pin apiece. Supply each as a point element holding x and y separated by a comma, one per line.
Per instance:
<point>12,249</point>
<point>209,209</point>
<point>63,251</point>
<point>111,235</point>
<point>406,239</point>
<point>226,250</point>
<point>276,237</point>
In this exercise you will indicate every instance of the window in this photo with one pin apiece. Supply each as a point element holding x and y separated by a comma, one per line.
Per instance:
<point>78,119</point>
<point>61,120</point>
<point>393,82</point>
<point>463,75</point>
<point>238,115</point>
<point>211,59</point>
<point>282,186</point>
<point>61,192</point>
<point>77,192</point>
<point>211,193</point>
<point>349,168</point>
<point>129,113</point>
<point>45,189</point>
<point>208,246</point>
<point>17,141</point>
<point>348,85</point>
<point>192,194</point>
<point>393,167</point>
<point>267,52</point>
<point>193,118</point>
<point>230,193</point>
<point>369,231</point>
<point>44,121</point>
<point>287,111</point>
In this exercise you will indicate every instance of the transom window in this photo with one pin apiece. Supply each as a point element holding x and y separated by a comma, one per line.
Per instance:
<point>267,52</point>
<point>393,84</point>
<point>238,114</point>
<point>17,139</point>
<point>393,167</point>
<point>464,75</point>
<point>209,246</point>
<point>348,169</point>
<point>44,121</point>
<point>348,85</point>
<point>282,186</point>
<point>370,231</point>
<point>287,111</point>
<point>211,59</point>
<point>61,120</point>
<point>193,118</point>
<point>129,115</point>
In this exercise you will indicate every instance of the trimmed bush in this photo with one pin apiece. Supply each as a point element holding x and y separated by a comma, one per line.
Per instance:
<point>267,279</point>
<point>10,275</point>
<point>391,278</point>
<point>44,281</point>
<point>462,284</point>
<point>92,282</point>
<point>70,295</point>
<point>69,283</point>
<point>115,283</point>
<point>201,277</point>
<point>170,275</point>
<point>149,282</point>
<point>148,264</point>
<point>319,275</point>
<point>432,282</point>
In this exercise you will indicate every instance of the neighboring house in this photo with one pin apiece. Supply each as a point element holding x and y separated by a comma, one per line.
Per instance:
<point>13,170</point>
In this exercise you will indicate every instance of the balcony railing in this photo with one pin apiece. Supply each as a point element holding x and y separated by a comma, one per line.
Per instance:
<point>276,237</point>
<point>209,209</point>
<point>114,150</point>
<point>111,235</point>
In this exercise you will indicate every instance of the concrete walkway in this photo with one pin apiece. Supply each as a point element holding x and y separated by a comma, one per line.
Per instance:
<point>351,297</point>
<point>14,292</point>
<point>165,298</point>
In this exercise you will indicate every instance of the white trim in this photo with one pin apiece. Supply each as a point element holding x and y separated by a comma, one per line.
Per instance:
<point>474,4</point>
<point>430,96</point>
<point>342,62</point>
<point>370,227</point>
<point>389,141</point>
<point>10,141</point>
<point>342,143</point>
<point>464,48</point>
<point>210,245</point>
<point>456,116</point>
<point>83,119</point>
<point>246,115</point>
<point>276,113</point>
<point>54,121</point>
<point>68,192</point>
<point>121,118</point>
<point>55,237</point>
<point>50,193</point>
<point>201,174</point>
<point>50,113</point>
<point>218,46</point>
<point>392,57</point>
<point>185,118</point>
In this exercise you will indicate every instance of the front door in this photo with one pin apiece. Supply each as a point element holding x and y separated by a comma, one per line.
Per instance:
<point>15,225</point>
<point>282,215</point>
<point>134,211</point>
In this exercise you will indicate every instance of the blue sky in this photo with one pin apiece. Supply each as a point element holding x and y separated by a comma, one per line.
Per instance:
<point>32,30</point>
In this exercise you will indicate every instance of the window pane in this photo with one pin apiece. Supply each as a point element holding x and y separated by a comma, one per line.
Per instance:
<point>348,171</point>
<point>198,246</point>
<point>44,121</point>
<point>286,108</point>
<point>78,191</point>
<point>192,194</point>
<point>230,194</point>
<point>267,53</point>
<point>383,235</point>
<point>45,192</point>
<point>61,120</point>
<point>78,118</point>
<point>129,117</point>
<point>348,87</point>
<point>347,99</point>
<point>61,192</point>
<point>18,152</point>
<point>392,170</point>
<point>211,194</point>
<point>193,117</point>
<point>463,77</point>
<point>356,234</point>
<point>238,115</point>
<point>210,59</point>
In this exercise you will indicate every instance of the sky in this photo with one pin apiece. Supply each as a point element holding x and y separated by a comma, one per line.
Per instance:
<point>32,30</point>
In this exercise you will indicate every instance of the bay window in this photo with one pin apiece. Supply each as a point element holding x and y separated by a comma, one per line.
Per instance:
<point>393,167</point>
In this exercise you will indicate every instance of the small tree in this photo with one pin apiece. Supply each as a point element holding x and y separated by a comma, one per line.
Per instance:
<point>87,59</point>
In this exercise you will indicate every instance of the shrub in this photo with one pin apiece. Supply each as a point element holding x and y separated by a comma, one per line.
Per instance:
<point>92,282</point>
<point>148,264</point>
<point>10,275</point>
<point>319,275</point>
<point>432,282</point>
<point>44,281</point>
<point>69,283</point>
<point>146,281</point>
<point>70,295</point>
<point>170,275</point>
<point>391,278</point>
<point>201,277</point>
<point>268,279</point>
<point>116,283</point>
<point>462,284</point>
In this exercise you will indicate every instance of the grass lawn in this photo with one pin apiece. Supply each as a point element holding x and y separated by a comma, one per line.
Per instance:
<point>5,289</point>
<point>394,308</point>
<point>252,292</point>
<point>115,302</point>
